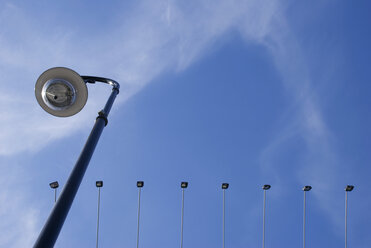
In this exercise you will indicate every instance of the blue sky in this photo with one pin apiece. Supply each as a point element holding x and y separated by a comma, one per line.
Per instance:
<point>246,92</point>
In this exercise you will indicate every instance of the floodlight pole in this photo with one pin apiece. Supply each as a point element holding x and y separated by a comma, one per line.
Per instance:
<point>140,185</point>
<point>53,225</point>
<point>265,188</point>
<point>348,188</point>
<point>182,220</point>
<point>305,190</point>
<point>96,243</point>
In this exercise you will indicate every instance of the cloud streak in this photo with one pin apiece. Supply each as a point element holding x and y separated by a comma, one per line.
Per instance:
<point>152,38</point>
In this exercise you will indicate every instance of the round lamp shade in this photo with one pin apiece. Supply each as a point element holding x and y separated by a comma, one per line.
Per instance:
<point>61,92</point>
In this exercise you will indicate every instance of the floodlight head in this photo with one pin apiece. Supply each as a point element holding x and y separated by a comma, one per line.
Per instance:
<point>349,188</point>
<point>225,185</point>
<point>184,185</point>
<point>307,188</point>
<point>140,184</point>
<point>61,92</point>
<point>99,184</point>
<point>54,185</point>
<point>266,186</point>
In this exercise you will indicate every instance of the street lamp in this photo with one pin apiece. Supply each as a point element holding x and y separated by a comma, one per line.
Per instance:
<point>98,184</point>
<point>183,185</point>
<point>265,188</point>
<point>140,185</point>
<point>62,92</point>
<point>348,188</point>
<point>54,185</point>
<point>224,187</point>
<point>305,189</point>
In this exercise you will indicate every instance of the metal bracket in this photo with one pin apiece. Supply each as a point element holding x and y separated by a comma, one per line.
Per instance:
<point>102,115</point>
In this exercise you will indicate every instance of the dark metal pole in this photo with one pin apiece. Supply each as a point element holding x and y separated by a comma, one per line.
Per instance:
<point>53,225</point>
<point>55,195</point>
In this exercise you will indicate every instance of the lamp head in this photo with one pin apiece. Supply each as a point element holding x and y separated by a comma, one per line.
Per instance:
<point>140,184</point>
<point>307,188</point>
<point>54,185</point>
<point>61,92</point>
<point>266,186</point>
<point>225,185</point>
<point>184,185</point>
<point>349,188</point>
<point>99,184</point>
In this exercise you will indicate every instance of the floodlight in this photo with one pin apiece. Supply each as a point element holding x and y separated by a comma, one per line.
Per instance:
<point>140,184</point>
<point>266,186</point>
<point>307,188</point>
<point>225,185</point>
<point>184,185</point>
<point>61,91</point>
<point>349,188</point>
<point>54,185</point>
<point>99,184</point>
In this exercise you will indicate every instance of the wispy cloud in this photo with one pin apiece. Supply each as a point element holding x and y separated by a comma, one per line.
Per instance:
<point>152,38</point>
<point>304,121</point>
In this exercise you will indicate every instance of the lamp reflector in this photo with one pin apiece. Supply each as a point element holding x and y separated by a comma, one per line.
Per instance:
<point>61,91</point>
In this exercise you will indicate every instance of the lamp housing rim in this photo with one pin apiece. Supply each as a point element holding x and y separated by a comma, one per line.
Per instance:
<point>70,79</point>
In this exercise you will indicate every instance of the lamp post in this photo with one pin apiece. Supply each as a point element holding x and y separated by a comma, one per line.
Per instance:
<point>305,189</point>
<point>98,184</point>
<point>265,188</point>
<point>183,185</point>
<point>224,187</point>
<point>62,92</point>
<point>140,185</point>
<point>348,188</point>
<point>54,185</point>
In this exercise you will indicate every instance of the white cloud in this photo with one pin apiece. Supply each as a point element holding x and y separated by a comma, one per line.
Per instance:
<point>153,38</point>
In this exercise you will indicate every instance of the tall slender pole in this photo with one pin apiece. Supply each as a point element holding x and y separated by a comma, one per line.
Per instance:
<point>98,217</point>
<point>54,185</point>
<point>224,187</point>
<point>182,220</point>
<point>223,218</point>
<point>264,219</point>
<point>53,225</point>
<point>265,188</point>
<point>183,185</point>
<point>305,189</point>
<point>348,188</point>
<point>304,221</point>
<point>139,191</point>
<point>140,185</point>
<point>346,216</point>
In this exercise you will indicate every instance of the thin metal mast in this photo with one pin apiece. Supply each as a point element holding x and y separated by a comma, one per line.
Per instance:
<point>224,187</point>
<point>139,191</point>
<point>264,219</point>
<point>182,220</point>
<point>96,245</point>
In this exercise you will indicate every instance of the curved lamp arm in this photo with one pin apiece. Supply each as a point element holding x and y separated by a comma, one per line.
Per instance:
<point>93,80</point>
